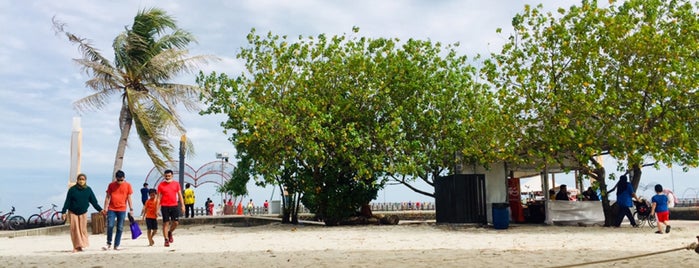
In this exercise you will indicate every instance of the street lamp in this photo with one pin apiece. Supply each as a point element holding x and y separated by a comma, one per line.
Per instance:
<point>224,158</point>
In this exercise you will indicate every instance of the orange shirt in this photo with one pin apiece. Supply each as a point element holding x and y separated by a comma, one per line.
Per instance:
<point>151,209</point>
<point>118,194</point>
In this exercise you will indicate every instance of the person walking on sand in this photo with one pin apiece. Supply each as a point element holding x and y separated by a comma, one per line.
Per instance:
<point>207,206</point>
<point>660,208</point>
<point>188,201</point>
<point>624,195</point>
<point>250,207</point>
<point>78,200</point>
<point>168,200</point>
<point>144,193</point>
<point>150,215</point>
<point>118,197</point>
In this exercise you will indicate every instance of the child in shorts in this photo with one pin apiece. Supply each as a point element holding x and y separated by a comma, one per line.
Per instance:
<point>660,209</point>
<point>150,215</point>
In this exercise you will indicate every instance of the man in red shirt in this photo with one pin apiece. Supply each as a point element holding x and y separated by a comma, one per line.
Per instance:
<point>169,194</point>
<point>118,196</point>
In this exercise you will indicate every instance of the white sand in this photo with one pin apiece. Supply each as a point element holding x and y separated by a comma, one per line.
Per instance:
<point>420,245</point>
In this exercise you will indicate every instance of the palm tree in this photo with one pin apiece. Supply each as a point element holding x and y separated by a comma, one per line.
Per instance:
<point>146,56</point>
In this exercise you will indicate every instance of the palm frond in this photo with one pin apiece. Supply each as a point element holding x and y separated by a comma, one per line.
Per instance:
<point>179,39</point>
<point>88,51</point>
<point>94,101</point>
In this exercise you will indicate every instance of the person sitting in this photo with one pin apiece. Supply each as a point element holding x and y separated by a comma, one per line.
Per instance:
<point>590,195</point>
<point>563,193</point>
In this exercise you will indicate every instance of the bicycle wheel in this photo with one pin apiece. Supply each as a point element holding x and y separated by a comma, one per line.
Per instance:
<point>57,219</point>
<point>16,223</point>
<point>35,221</point>
<point>640,220</point>
<point>652,220</point>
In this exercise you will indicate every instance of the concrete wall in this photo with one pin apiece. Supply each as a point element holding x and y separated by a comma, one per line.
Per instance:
<point>684,213</point>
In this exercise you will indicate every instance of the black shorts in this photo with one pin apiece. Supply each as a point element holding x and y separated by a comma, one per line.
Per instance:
<point>152,224</point>
<point>170,213</point>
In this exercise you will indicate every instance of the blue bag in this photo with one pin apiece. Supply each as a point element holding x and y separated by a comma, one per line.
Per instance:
<point>135,230</point>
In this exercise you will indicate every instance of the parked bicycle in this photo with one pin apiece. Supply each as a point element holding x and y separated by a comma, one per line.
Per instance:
<point>9,221</point>
<point>47,217</point>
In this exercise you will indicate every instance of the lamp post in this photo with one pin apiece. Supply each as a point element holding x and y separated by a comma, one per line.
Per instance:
<point>224,158</point>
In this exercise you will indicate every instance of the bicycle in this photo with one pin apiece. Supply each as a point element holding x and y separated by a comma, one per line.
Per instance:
<point>47,217</point>
<point>10,222</point>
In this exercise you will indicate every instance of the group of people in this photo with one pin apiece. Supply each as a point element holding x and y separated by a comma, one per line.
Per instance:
<point>625,195</point>
<point>164,200</point>
<point>187,195</point>
<point>249,209</point>
<point>562,194</point>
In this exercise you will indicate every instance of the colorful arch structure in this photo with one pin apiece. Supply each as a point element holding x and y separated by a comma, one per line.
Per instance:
<point>215,172</point>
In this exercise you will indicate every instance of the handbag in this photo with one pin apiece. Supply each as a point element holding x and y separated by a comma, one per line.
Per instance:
<point>135,230</point>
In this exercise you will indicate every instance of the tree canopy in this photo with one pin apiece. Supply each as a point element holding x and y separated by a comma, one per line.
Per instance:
<point>589,81</point>
<point>354,110</point>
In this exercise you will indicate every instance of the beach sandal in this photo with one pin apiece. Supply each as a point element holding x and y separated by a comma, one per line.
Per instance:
<point>167,243</point>
<point>658,232</point>
<point>667,229</point>
<point>169,237</point>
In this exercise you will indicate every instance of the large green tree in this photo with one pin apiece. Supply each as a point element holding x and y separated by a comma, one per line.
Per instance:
<point>333,118</point>
<point>304,108</point>
<point>147,57</point>
<point>588,81</point>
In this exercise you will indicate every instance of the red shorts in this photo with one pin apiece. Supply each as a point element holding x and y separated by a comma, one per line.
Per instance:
<point>662,216</point>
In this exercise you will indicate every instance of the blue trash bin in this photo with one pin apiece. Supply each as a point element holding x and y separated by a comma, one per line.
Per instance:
<point>501,215</point>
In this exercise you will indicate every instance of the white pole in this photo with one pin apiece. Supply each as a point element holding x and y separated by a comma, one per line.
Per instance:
<point>75,150</point>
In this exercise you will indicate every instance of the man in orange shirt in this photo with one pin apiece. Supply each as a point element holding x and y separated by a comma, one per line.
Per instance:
<point>118,197</point>
<point>169,194</point>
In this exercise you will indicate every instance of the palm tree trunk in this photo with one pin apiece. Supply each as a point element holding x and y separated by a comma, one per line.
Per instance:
<point>125,122</point>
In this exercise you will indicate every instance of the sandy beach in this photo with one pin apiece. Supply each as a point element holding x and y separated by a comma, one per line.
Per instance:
<point>413,245</point>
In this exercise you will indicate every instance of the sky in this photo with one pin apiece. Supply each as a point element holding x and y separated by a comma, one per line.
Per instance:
<point>39,81</point>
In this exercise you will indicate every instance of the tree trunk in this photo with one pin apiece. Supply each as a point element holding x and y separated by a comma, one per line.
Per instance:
<point>636,177</point>
<point>365,211</point>
<point>286,207</point>
<point>125,122</point>
<point>297,204</point>
<point>609,215</point>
